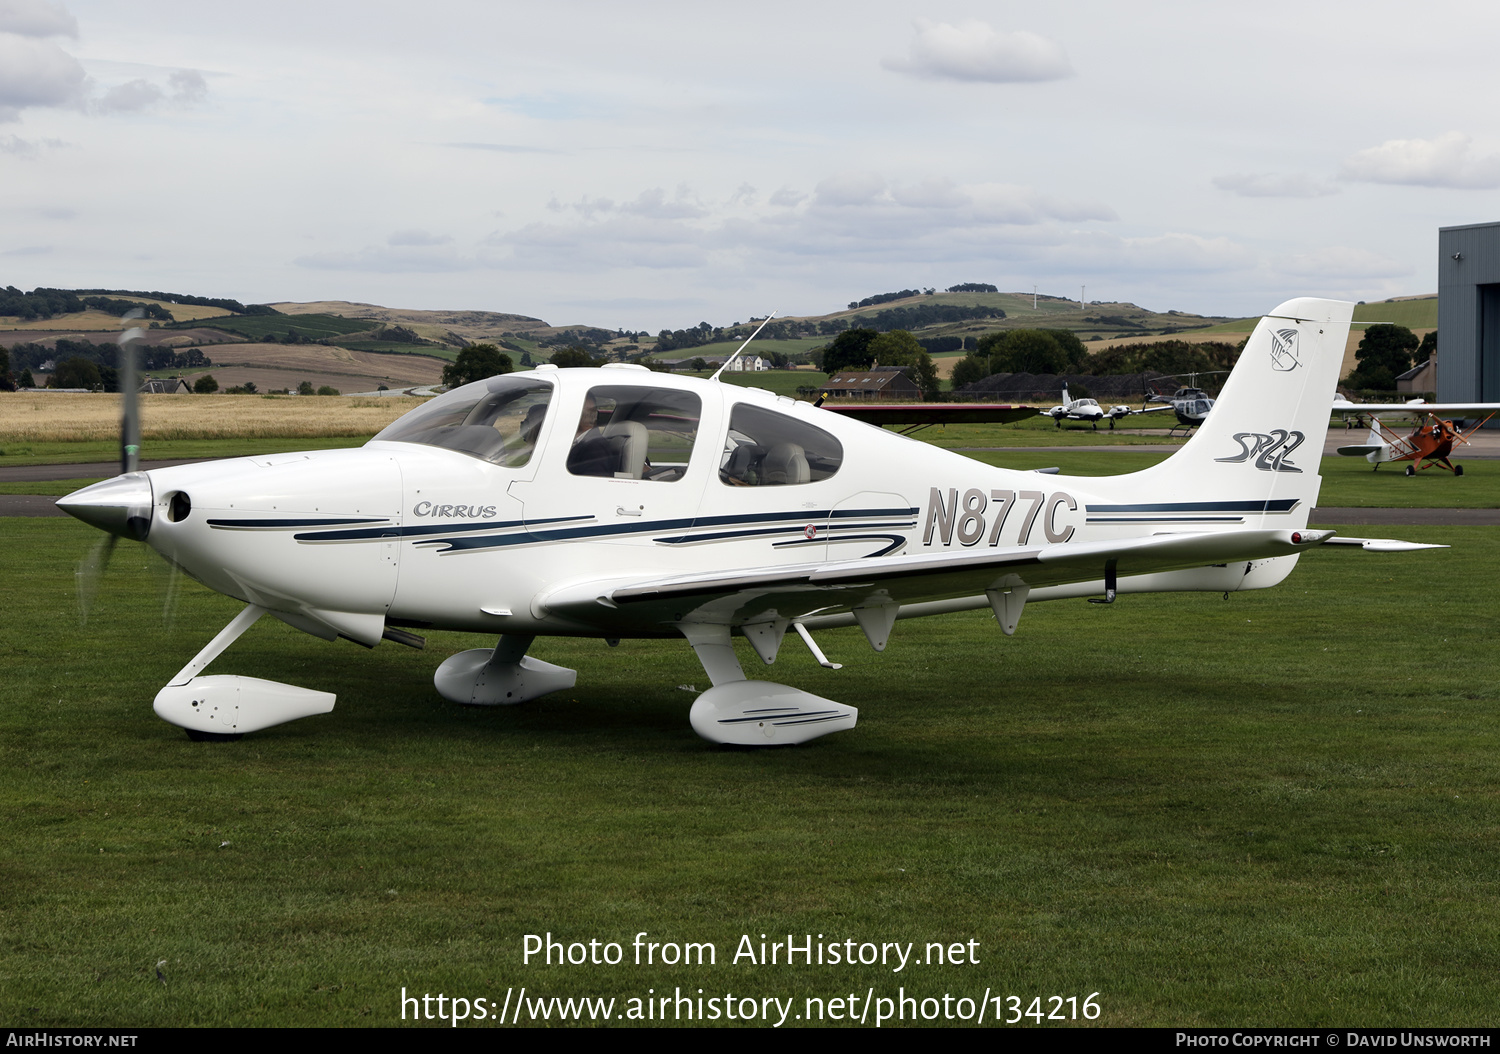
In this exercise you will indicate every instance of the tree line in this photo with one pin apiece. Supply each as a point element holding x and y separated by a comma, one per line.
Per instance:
<point>1060,351</point>
<point>1386,352</point>
<point>45,303</point>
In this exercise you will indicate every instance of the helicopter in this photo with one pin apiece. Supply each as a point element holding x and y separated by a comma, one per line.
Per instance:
<point>1191,403</point>
<point>615,503</point>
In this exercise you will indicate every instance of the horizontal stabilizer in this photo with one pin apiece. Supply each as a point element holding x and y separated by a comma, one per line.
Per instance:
<point>1382,545</point>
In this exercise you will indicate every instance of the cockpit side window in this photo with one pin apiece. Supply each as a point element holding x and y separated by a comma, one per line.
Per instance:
<point>768,449</point>
<point>630,432</point>
<point>497,420</point>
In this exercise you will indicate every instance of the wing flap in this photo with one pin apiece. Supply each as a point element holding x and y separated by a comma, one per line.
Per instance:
<point>803,591</point>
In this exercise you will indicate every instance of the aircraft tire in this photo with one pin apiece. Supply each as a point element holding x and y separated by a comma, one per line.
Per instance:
<point>1458,470</point>
<point>213,737</point>
<point>1411,470</point>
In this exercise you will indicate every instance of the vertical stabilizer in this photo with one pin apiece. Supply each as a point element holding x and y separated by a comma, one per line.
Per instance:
<point>1261,445</point>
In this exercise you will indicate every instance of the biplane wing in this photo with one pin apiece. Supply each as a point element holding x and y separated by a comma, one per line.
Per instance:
<point>1419,407</point>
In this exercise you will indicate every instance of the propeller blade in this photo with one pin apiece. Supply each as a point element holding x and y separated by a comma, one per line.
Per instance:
<point>89,572</point>
<point>173,580</point>
<point>130,410</point>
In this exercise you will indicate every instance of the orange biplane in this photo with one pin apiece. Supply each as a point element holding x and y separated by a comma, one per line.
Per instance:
<point>1430,444</point>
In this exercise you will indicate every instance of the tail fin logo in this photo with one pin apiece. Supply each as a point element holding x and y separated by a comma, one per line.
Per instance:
<point>1284,350</point>
<point>1270,452</point>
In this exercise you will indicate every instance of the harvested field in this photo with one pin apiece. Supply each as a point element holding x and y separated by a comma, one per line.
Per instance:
<point>181,312</point>
<point>26,417</point>
<point>89,321</point>
<point>93,320</point>
<point>172,338</point>
<point>433,325</point>
<point>273,366</point>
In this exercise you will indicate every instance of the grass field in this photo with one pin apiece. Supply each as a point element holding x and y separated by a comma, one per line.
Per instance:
<point>1278,809</point>
<point>1413,314</point>
<point>1275,810</point>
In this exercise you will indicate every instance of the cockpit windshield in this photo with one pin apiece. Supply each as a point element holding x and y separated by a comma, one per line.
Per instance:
<point>497,420</point>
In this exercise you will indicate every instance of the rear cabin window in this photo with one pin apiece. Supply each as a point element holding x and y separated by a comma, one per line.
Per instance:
<point>768,449</point>
<point>629,432</point>
<point>496,420</point>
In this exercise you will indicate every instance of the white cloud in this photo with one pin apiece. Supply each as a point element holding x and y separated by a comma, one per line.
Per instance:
<point>1447,161</point>
<point>417,237</point>
<point>1170,253</point>
<point>14,144</point>
<point>972,51</point>
<point>393,259</point>
<point>652,203</point>
<point>129,97</point>
<point>36,18</point>
<point>937,203</point>
<point>851,216</point>
<point>503,148</point>
<point>1274,185</point>
<point>36,73</point>
<point>188,87</point>
<point>1341,262</point>
<point>849,188</point>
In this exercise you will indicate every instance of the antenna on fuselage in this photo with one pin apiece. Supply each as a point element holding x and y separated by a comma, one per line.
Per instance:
<point>742,347</point>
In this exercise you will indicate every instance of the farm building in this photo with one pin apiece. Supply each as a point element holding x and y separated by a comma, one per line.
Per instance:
<point>873,383</point>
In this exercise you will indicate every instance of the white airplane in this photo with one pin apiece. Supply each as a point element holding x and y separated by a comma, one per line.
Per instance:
<point>1089,410</point>
<point>617,502</point>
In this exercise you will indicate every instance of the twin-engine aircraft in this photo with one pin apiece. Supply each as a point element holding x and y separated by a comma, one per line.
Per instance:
<point>1086,409</point>
<point>618,502</point>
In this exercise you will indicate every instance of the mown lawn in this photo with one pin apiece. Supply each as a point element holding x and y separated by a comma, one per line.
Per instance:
<point>1279,809</point>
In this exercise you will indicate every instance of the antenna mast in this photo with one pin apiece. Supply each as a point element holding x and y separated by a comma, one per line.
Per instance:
<point>742,347</point>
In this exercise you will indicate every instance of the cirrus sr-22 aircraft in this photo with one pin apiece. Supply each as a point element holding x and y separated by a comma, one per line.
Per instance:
<point>618,502</point>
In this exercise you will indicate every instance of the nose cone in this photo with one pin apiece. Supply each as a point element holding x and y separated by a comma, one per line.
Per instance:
<point>120,506</point>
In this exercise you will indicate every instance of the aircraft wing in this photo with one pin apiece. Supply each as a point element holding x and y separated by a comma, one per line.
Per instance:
<point>802,591</point>
<point>933,413</point>
<point>1344,406</point>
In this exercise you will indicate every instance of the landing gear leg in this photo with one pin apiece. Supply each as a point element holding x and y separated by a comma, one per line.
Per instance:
<point>502,677</point>
<point>754,713</point>
<point>224,707</point>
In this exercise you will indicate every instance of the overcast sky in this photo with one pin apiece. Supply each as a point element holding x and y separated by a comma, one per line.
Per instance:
<point>651,165</point>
